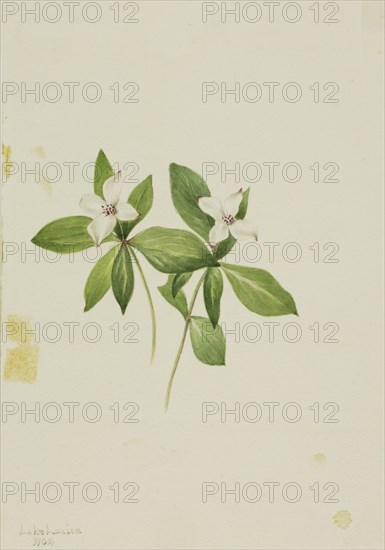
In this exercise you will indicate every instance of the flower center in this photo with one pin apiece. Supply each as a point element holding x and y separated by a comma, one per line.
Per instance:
<point>228,219</point>
<point>109,210</point>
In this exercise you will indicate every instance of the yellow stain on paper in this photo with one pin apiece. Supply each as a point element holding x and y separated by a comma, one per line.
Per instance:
<point>44,181</point>
<point>6,153</point>
<point>46,185</point>
<point>39,152</point>
<point>342,519</point>
<point>320,459</point>
<point>22,360</point>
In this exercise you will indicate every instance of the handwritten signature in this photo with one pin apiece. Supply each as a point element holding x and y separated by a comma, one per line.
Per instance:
<point>46,530</point>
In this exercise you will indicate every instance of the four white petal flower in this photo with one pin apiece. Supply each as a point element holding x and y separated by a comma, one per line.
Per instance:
<point>224,216</point>
<point>106,213</point>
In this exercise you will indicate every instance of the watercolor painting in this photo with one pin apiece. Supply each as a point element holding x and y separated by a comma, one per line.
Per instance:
<point>216,226</point>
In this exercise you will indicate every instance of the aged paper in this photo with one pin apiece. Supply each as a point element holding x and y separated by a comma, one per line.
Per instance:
<point>269,112</point>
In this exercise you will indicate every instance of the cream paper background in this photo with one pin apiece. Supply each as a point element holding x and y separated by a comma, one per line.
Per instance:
<point>170,52</point>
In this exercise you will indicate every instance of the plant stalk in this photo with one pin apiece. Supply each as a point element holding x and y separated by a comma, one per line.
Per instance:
<point>182,342</point>
<point>150,302</point>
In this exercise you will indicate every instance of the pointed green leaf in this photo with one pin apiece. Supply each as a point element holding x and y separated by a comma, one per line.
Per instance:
<point>179,301</point>
<point>212,292</point>
<point>66,235</point>
<point>103,171</point>
<point>141,198</point>
<point>99,280</point>
<point>225,246</point>
<point>209,344</point>
<point>123,278</point>
<point>173,250</point>
<point>259,291</point>
<point>186,187</point>
<point>180,280</point>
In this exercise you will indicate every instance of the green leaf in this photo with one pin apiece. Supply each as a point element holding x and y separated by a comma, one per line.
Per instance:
<point>186,187</point>
<point>212,292</point>
<point>103,171</point>
<point>179,301</point>
<point>209,344</point>
<point>99,280</point>
<point>259,291</point>
<point>173,250</point>
<point>225,246</point>
<point>123,278</point>
<point>141,198</point>
<point>66,235</point>
<point>180,280</point>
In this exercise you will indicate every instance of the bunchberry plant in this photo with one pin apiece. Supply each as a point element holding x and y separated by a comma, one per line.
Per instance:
<point>219,226</point>
<point>112,220</point>
<point>176,252</point>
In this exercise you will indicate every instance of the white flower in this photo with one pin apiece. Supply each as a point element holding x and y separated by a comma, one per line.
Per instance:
<point>224,217</point>
<point>106,213</point>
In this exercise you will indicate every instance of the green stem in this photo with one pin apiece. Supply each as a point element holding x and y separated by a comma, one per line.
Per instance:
<point>150,302</point>
<point>182,342</point>
<point>121,236</point>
